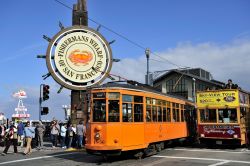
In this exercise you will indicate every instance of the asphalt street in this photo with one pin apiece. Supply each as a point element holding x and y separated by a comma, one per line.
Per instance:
<point>177,156</point>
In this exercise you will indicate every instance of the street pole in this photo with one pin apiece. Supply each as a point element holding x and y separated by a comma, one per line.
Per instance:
<point>147,52</point>
<point>79,17</point>
<point>40,102</point>
<point>194,91</point>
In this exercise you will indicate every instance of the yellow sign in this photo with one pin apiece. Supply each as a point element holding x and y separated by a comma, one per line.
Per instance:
<point>221,98</point>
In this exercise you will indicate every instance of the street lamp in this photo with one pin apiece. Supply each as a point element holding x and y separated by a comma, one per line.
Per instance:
<point>194,90</point>
<point>147,52</point>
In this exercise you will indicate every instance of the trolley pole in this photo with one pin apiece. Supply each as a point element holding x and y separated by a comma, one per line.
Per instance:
<point>79,17</point>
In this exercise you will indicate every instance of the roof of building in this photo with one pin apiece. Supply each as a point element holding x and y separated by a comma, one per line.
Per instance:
<point>182,72</point>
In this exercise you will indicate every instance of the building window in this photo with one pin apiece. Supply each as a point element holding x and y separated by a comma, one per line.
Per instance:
<point>177,86</point>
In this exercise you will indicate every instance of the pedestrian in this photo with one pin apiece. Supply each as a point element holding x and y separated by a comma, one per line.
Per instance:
<point>55,130</point>
<point>74,140</point>
<point>63,135</point>
<point>80,131</point>
<point>20,132</point>
<point>71,134</point>
<point>29,133</point>
<point>40,133</point>
<point>11,139</point>
<point>2,132</point>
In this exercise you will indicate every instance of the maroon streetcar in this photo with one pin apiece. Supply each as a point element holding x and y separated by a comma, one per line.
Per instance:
<point>223,117</point>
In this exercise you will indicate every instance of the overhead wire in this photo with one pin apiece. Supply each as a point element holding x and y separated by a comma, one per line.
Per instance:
<point>132,42</point>
<point>123,37</point>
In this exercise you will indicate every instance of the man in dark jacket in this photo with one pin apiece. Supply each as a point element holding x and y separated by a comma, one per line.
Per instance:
<point>20,130</point>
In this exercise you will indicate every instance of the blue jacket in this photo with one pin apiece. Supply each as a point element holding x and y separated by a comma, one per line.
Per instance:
<point>29,132</point>
<point>20,129</point>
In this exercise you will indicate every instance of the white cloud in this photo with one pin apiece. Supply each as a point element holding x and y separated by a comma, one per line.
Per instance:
<point>224,61</point>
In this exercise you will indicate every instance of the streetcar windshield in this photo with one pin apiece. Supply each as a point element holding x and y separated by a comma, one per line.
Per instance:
<point>224,116</point>
<point>208,115</point>
<point>99,111</point>
<point>227,116</point>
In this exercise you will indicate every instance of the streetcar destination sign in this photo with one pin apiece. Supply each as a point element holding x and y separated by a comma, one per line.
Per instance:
<point>79,57</point>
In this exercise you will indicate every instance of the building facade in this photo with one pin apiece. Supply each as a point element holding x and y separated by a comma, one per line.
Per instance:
<point>185,82</point>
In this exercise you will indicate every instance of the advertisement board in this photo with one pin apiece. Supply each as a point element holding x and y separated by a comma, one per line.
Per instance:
<point>223,98</point>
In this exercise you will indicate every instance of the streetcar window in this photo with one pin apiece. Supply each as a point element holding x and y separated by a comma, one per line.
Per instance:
<point>114,95</point>
<point>227,115</point>
<point>138,113</point>
<point>164,114</point>
<point>168,115</point>
<point>158,102</point>
<point>127,112</point>
<point>114,115</point>
<point>154,110</point>
<point>99,111</point>
<point>159,114</point>
<point>99,95</point>
<point>174,115</point>
<point>154,101</point>
<point>176,111</point>
<point>127,98</point>
<point>208,116</point>
<point>138,99</point>
<point>148,100</point>
<point>182,113</point>
<point>148,113</point>
<point>168,104</point>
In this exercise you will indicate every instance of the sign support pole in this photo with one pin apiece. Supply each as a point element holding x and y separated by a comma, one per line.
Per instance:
<point>79,17</point>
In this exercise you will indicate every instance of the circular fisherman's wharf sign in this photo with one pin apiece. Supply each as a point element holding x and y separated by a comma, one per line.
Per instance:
<point>79,57</point>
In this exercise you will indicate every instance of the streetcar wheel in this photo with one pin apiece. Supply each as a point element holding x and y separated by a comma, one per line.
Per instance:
<point>139,154</point>
<point>158,147</point>
<point>151,150</point>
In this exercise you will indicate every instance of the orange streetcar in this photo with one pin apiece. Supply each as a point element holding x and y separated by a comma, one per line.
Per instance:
<point>127,117</point>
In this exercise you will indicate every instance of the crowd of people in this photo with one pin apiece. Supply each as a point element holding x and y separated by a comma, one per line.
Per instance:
<point>28,135</point>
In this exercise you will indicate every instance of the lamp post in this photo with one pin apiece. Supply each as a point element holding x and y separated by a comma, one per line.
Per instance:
<point>194,90</point>
<point>147,52</point>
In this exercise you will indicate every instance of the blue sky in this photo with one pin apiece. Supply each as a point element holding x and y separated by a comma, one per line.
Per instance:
<point>211,34</point>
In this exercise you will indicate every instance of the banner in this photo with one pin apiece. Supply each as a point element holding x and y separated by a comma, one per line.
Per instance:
<point>222,98</point>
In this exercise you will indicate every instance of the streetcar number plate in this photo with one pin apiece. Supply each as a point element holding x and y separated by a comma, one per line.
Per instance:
<point>219,142</point>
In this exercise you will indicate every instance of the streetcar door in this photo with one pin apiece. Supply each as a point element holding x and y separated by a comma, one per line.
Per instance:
<point>191,120</point>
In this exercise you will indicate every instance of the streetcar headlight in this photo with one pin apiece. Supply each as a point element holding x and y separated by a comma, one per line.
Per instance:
<point>98,128</point>
<point>97,136</point>
<point>202,135</point>
<point>235,136</point>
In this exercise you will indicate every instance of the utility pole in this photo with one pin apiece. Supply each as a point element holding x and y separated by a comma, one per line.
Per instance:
<point>79,17</point>
<point>147,52</point>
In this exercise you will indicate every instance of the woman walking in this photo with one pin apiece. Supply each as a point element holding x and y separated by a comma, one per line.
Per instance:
<point>11,138</point>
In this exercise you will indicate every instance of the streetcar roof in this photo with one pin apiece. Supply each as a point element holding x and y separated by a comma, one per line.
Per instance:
<point>146,88</point>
